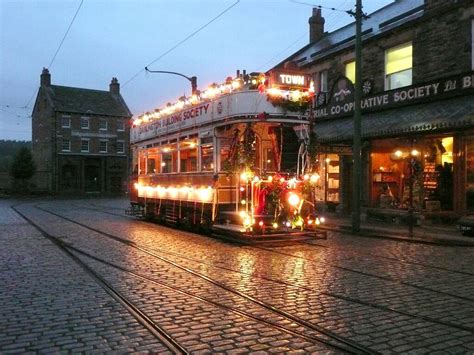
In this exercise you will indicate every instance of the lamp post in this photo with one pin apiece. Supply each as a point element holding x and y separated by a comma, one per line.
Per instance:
<point>192,79</point>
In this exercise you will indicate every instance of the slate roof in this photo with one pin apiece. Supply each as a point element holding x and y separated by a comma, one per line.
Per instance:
<point>383,20</point>
<point>78,100</point>
<point>443,115</point>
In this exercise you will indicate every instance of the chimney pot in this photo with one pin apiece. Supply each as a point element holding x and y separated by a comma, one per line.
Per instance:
<point>45,78</point>
<point>316,26</point>
<point>114,86</point>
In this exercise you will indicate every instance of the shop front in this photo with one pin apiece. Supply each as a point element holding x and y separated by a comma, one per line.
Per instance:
<point>416,155</point>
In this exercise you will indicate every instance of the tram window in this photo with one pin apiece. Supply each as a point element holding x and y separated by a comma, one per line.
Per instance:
<point>269,162</point>
<point>151,168</point>
<point>224,155</point>
<point>166,165</point>
<point>207,157</point>
<point>142,166</point>
<point>188,160</point>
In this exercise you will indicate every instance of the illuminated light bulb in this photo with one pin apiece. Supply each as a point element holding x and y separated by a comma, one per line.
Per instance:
<point>322,219</point>
<point>244,176</point>
<point>270,178</point>
<point>314,178</point>
<point>282,180</point>
<point>275,225</point>
<point>260,223</point>
<point>306,177</point>
<point>398,153</point>
<point>236,84</point>
<point>310,221</point>
<point>241,188</point>
<point>242,214</point>
<point>414,152</point>
<point>318,221</point>
<point>288,224</point>
<point>243,202</point>
<point>163,164</point>
<point>247,221</point>
<point>254,82</point>
<point>192,145</point>
<point>256,179</point>
<point>293,199</point>
<point>328,160</point>
<point>166,150</point>
<point>137,186</point>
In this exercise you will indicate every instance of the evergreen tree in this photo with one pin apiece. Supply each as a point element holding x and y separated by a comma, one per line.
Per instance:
<point>22,168</point>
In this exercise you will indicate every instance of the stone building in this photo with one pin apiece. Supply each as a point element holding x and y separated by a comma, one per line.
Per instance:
<point>417,108</point>
<point>80,139</point>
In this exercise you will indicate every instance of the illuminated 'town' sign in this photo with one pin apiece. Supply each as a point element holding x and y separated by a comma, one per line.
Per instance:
<point>287,79</point>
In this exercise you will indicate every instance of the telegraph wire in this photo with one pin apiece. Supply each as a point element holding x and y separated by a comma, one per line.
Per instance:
<point>321,7</point>
<point>65,35</point>
<point>182,41</point>
<point>57,50</point>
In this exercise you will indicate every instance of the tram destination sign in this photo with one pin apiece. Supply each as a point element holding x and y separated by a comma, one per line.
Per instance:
<point>341,99</point>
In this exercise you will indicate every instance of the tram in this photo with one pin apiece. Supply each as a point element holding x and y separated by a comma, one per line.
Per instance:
<point>233,159</point>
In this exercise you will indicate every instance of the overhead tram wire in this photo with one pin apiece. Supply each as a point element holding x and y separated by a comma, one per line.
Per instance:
<point>320,6</point>
<point>59,48</point>
<point>182,41</point>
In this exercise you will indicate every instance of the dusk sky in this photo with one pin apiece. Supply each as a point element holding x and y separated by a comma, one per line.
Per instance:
<point>118,38</point>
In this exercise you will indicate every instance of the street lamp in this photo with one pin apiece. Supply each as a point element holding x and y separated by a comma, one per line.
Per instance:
<point>192,79</point>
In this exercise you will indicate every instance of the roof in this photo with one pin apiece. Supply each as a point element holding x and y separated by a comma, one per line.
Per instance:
<point>70,99</point>
<point>443,115</point>
<point>381,21</point>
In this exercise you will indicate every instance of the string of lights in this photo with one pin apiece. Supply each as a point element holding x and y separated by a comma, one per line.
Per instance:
<point>182,41</point>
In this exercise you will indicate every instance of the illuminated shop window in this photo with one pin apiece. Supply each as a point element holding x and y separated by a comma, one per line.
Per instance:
<point>351,71</point>
<point>398,66</point>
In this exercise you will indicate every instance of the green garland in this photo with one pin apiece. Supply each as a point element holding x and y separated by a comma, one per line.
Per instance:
<point>301,105</point>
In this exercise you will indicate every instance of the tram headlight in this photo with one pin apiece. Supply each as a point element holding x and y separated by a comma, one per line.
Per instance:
<point>294,199</point>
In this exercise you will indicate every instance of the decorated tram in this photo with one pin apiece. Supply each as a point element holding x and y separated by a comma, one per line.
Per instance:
<point>233,159</point>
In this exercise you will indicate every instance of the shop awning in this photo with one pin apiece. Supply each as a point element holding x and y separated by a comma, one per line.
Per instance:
<point>445,115</point>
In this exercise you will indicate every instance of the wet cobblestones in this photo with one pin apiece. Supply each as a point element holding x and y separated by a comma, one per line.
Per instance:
<point>349,286</point>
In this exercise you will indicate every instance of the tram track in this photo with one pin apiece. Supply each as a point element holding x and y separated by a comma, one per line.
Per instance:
<point>356,253</point>
<point>329,294</point>
<point>347,344</point>
<point>159,333</point>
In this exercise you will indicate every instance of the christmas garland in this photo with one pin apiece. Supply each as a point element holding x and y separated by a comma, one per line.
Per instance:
<point>300,105</point>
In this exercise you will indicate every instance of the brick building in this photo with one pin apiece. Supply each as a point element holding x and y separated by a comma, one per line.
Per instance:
<point>80,139</point>
<point>417,75</point>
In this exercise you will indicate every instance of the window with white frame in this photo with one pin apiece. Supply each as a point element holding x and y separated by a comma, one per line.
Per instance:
<point>323,81</point>
<point>84,145</point>
<point>84,122</point>
<point>120,125</point>
<point>66,121</point>
<point>398,66</point>
<point>351,71</point>
<point>103,124</point>
<point>103,146</point>
<point>66,145</point>
<point>120,147</point>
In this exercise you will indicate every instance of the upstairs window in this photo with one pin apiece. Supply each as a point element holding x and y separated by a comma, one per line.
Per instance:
<point>66,145</point>
<point>85,145</point>
<point>120,147</point>
<point>103,146</point>
<point>398,66</point>
<point>120,125</point>
<point>84,122</point>
<point>351,71</point>
<point>323,81</point>
<point>103,124</point>
<point>66,121</point>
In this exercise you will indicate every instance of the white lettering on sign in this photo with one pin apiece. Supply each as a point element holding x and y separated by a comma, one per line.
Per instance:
<point>292,79</point>
<point>467,81</point>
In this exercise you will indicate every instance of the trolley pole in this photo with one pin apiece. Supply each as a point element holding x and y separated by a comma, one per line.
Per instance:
<point>192,79</point>
<point>356,148</point>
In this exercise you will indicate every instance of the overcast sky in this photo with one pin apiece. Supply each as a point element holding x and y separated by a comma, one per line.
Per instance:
<point>119,37</point>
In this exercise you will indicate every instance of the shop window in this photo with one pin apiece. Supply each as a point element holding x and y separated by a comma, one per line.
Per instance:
<point>398,66</point>
<point>470,175</point>
<point>351,71</point>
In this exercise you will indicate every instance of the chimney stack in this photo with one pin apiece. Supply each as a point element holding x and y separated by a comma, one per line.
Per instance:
<point>316,26</point>
<point>45,77</point>
<point>114,86</point>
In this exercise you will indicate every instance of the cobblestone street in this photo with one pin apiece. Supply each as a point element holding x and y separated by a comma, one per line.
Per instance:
<point>88,278</point>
